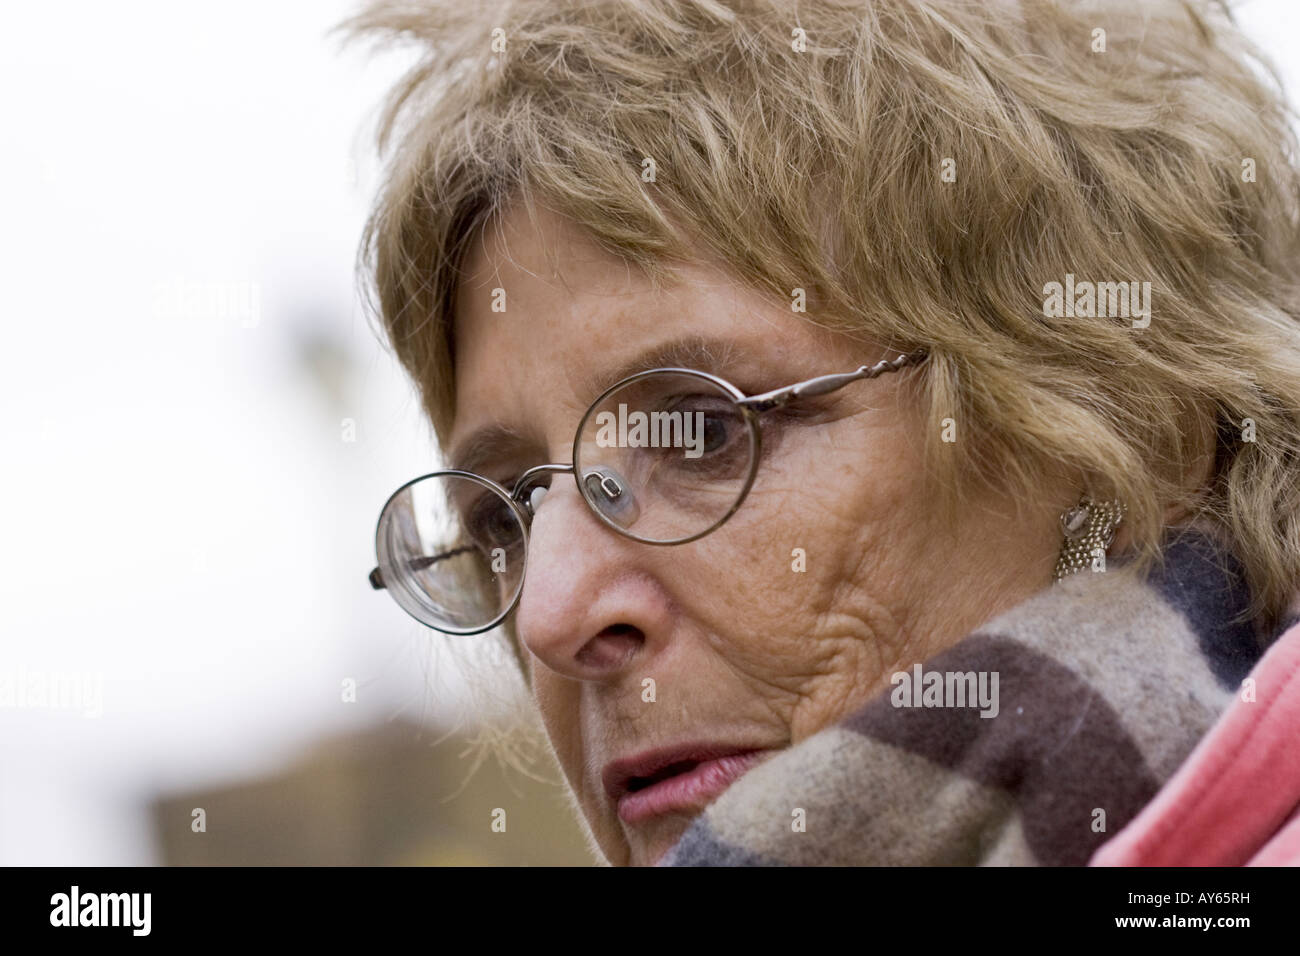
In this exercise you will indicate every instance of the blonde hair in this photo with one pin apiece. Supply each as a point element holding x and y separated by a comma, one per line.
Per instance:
<point>807,145</point>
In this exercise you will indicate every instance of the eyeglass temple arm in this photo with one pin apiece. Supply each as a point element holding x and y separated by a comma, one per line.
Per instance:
<point>825,384</point>
<point>417,564</point>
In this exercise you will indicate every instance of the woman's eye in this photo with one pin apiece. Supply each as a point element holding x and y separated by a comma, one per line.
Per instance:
<point>717,431</point>
<point>708,424</point>
<point>491,524</point>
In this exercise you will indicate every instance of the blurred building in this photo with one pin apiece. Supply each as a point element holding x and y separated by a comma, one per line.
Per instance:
<point>399,794</point>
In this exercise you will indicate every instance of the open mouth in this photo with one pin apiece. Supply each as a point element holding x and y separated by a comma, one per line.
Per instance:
<point>681,780</point>
<point>672,770</point>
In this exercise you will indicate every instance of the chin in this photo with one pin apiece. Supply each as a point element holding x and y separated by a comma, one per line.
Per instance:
<point>619,847</point>
<point>650,854</point>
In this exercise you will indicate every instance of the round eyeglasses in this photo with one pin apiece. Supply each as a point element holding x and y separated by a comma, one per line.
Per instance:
<point>663,457</point>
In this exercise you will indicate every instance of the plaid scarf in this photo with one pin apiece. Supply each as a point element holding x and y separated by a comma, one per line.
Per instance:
<point>1101,686</point>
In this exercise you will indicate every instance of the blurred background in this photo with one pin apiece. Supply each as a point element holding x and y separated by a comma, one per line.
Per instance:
<point>201,429</point>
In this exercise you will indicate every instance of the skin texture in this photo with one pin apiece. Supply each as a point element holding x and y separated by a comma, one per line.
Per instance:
<point>744,650</point>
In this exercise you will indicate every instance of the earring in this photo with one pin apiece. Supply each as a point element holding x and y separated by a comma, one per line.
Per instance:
<point>1088,526</point>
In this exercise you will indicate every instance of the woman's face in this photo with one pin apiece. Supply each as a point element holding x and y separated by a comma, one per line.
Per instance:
<point>747,652</point>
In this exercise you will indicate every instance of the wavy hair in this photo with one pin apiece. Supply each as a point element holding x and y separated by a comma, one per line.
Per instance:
<point>924,169</point>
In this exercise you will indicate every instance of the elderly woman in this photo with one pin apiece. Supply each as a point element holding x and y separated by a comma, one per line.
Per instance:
<point>874,424</point>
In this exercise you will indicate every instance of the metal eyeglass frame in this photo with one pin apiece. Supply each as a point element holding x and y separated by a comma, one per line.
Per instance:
<point>752,406</point>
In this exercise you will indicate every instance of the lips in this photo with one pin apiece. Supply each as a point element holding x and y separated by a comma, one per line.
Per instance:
<point>675,779</point>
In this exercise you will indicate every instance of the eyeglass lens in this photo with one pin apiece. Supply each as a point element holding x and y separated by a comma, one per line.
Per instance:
<point>451,551</point>
<point>664,458</point>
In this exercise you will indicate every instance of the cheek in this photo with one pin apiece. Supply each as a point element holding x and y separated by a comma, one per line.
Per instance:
<point>805,591</point>
<point>560,703</point>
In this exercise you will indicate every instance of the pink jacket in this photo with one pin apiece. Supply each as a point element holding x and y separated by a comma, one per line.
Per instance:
<point>1236,800</point>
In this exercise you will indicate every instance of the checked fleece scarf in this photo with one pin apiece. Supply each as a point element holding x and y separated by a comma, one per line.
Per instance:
<point>1107,683</point>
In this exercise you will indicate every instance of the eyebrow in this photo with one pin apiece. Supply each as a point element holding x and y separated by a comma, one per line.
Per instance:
<point>483,446</point>
<point>701,352</point>
<point>705,353</point>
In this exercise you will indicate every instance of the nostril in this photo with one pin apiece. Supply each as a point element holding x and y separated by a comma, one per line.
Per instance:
<point>612,647</point>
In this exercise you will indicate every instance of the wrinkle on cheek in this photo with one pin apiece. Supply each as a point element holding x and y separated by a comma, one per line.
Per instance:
<point>846,651</point>
<point>821,644</point>
<point>858,592</point>
<point>862,639</point>
<point>838,693</point>
<point>820,675</point>
<point>777,694</point>
<point>858,633</point>
<point>802,646</point>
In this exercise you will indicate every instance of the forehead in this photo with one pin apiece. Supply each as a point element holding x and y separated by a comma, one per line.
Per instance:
<point>546,319</point>
<point>535,281</point>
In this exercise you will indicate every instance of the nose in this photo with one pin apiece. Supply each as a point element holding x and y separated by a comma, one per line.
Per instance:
<point>592,604</point>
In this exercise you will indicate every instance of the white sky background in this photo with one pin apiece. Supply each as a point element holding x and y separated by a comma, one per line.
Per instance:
<point>179,510</point>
